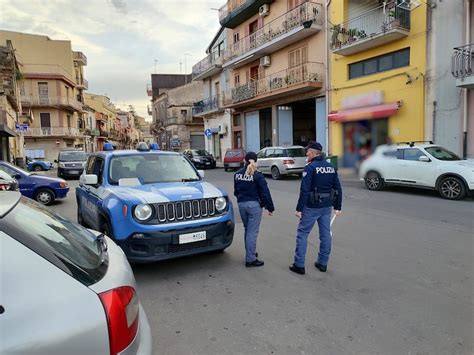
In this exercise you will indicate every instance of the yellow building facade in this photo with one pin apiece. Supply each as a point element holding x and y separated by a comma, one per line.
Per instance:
<point>106,116</point>
<point>377,54</point>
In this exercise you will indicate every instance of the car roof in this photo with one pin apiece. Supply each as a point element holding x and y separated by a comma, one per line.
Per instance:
<point>286,147</point>
<point>116,153</point>
<point>8,201</point>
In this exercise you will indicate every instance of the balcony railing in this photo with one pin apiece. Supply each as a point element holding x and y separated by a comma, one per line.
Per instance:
<point>286,79</point>
<point>210,104</point>
<point>149,90</point>
<point>214,59</point>
<point>53,131</point>
<point>304,15</point>
<point>462,61</point>
<point>79,57</point>
<point>51,101</point>
<point>370,25</point>
<point>230,6</point>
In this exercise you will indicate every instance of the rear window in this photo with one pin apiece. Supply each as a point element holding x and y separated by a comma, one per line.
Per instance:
<point>72,156</point>
<point>67,245</point>
<point>296,152</point>
<point>233,153</point>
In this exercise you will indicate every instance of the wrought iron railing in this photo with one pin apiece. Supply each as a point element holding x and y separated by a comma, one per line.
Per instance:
<point>374,22</point>
<point>285,79</point>
<point>304,15</point>
<point>53,131</point>
<point>230,6</point>
<point>214,58</point>
<point>207,105</point>
<point>462,61</point>
<point>79,56</point>
<point>51,101</point>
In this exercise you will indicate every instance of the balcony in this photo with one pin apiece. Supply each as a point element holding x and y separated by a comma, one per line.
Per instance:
<point>53,132</point>
<point>208,67</point>
<point>462,66</point>
<point>79,57</point>
<point>235,12</point>
<point>82,84</point>
<point>295,25</point>
<point>63,102</point>
<point>295,80</point>
<point>149,90</point>
<point>375,28</point>
<point>210,105</point>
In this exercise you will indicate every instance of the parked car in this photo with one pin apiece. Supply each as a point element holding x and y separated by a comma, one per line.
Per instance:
<point>278,161</point>
<point>7,183</point>
<point>419,165</point>
<point>234,159</point>
<point>200,158</point>
<point>154,204</point>
<point>74,287</point>
<point>71,162</point>
<point>43,189</point>
<point>39,165</point>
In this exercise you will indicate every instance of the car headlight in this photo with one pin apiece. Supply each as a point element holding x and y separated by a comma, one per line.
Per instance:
<point>221,204</point>
<point>196,160</point>
<point>143,212</point>
<point>63,184</point>
<point>62,165</point>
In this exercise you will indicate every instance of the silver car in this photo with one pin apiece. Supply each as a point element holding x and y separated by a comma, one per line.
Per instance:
<point>64,289</point>
<point>278,161</point>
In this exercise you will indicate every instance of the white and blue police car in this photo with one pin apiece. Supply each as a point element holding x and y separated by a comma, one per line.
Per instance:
<point>154,204</point>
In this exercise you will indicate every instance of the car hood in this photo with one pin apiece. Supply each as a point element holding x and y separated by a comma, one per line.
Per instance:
<point>166,192</point>
<point>45,179</point>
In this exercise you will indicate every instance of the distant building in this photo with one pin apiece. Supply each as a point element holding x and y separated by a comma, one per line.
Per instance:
<point>106,113</point>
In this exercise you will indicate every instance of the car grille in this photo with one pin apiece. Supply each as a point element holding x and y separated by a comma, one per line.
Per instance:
<point>184,210</point>
<point>172,248</point>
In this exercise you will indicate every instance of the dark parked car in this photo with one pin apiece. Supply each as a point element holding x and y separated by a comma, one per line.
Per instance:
<point>71,162</point>
<point>43,189</point>
<point>7,183</point>
<point>200,158</point>
<point>234,159</point>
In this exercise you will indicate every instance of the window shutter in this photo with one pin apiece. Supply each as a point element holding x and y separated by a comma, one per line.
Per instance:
<point>291,59</point>
<point>304,54</point>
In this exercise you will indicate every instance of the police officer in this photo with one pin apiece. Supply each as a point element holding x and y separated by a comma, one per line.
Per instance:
<point>320,192</point>
<point>251,190</point>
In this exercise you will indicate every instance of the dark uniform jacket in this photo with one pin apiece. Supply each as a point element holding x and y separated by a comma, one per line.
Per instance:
<point>320,186</point>
<point>252,188</point>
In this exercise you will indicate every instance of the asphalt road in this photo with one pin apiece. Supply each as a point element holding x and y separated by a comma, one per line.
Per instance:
<point>400,281</point>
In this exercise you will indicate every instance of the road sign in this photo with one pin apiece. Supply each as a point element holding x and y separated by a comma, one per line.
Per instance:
<point>19,127</point>
<point>208,132</point>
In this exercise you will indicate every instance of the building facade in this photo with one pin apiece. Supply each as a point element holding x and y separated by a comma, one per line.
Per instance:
<point>378,74</point>
<point>106,115</point>
<point>274,56</point>
<point>52,88</point>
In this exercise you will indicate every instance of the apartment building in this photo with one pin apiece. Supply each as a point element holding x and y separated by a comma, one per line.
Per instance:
<point>217,119</point>
<point>378,72</point>
<point>92,131</point>
<point>52,86</point>
<point>145,128</point>
<point>106,115</point>
<point>275,54</point>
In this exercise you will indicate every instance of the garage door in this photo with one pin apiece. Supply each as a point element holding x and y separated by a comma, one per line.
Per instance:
<point>197,141</point>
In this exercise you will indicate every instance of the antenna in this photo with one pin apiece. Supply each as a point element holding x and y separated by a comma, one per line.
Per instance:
<point>185,70</point>
<point>156,61</point>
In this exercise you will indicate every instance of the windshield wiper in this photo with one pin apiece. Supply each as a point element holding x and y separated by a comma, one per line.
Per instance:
<point>190,179</point>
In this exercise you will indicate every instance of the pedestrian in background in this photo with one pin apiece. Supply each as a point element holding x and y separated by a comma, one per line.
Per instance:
<point>251,190</point>
<point>320,191</point>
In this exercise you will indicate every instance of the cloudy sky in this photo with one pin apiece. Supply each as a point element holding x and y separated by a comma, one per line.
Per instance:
<point>121,38</point>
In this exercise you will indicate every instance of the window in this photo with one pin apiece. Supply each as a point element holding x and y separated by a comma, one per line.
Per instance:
<point>90,165</point>
<point>99,169</point>
<point>236,37</point>
<point>43,89</point>
<point>297,56</point>
<point>45,120</point>
<point>379,64</point>
<point>442,154</point>
<point>412,154</point>
<point>261,154</point>
<point>68,121</point>
<point>296,153</point>
<point>269,153</point>
<point>278,153</point>
<point>184,113</point>
<point>237,80</point>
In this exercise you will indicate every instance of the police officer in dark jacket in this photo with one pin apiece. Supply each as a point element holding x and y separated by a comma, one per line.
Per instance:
<point>251,190</point>
<point>320,192</point>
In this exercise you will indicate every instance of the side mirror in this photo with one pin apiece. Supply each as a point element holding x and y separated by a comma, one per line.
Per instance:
<point>89,179</point>
<point>201,173</point>
<point>424,159</point>
<point>17,176</point>
<point>55,160</point>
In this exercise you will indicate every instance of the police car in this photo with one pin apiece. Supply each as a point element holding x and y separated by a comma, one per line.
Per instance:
<point>154,204</point>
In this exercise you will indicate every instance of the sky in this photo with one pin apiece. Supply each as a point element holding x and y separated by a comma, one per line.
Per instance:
<point>122,38</point>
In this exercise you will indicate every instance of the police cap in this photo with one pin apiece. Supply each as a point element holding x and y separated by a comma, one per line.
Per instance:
<point>315,146</point>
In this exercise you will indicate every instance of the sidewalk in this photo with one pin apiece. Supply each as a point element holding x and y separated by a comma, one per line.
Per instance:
<point>348,174</point>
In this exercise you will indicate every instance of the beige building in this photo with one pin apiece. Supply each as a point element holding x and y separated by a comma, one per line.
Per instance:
<point>52,88</point>
<point>275,53</point>
<point>144,127</point>
<point>106,115</point>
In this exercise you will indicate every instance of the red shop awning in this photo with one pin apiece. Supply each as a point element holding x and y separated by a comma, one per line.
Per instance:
<point>365,113</point>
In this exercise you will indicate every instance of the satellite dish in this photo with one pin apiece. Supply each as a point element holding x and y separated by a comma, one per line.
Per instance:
<point>409,4</point>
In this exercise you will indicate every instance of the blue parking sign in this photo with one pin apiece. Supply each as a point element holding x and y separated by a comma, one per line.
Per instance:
<point>208,132</point>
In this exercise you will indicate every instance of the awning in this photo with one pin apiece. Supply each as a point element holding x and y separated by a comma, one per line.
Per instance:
<point>365,113</point>
<point>5,131</point>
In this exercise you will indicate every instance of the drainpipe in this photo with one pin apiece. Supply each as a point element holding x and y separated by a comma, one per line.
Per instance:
<point>326,14</point>
<point>465,104</point>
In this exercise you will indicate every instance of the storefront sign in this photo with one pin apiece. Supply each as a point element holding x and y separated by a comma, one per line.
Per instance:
<point>19,127</point>
<point>367,99</point>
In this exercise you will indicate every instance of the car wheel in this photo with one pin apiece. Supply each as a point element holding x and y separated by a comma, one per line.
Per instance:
<point>226,168</point>
<point>451,188</point>
<point>44,196</point>
<point>37,168</point>
<point>275,173</point>
<point>373,181</point>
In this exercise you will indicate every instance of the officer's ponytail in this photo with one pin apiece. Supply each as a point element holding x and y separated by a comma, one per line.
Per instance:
<point>251,168</point>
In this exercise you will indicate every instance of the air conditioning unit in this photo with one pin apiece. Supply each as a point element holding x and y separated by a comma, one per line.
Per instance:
<point>264,10</point>
<point>222,129</point>
<point>265,61</point>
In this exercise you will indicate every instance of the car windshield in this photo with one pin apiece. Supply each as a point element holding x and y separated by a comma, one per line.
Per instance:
<point>296,152</point>
<point>152,168</point>
<point>441,153</point>
<point>72,156</point>
<point>233,153</point>
<point>201,152</point>
<point>13,170</point>
<point>56,239</point>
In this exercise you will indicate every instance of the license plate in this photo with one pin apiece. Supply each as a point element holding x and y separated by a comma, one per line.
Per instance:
<point>74,172</point>
<point>192,237</point>
<point>207,163</point>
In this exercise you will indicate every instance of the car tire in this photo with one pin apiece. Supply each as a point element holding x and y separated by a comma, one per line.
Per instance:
<point>275,173</point>
<point>373,181</point>
<point>36,168</point>
<point>44,196</point>
<point>226,168</point>
<point>452,188</point>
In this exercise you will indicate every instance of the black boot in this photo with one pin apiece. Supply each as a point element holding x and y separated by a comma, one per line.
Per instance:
<point>320,267</point>
<point>255,263</point>
<point>298,270</point>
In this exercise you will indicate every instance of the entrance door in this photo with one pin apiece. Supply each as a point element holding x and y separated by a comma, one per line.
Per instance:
<point>252,131</point>
<point>45,120</point>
